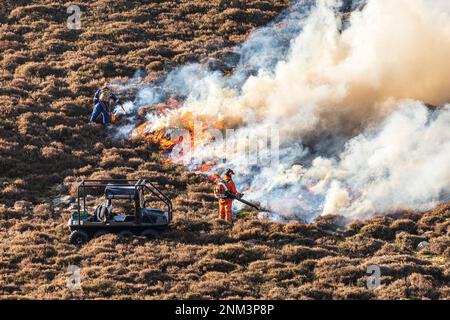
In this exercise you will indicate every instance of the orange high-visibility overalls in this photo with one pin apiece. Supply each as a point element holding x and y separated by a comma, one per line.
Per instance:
<point>225,205</point>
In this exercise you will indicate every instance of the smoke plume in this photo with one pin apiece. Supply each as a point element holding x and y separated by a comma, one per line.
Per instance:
<point>349,102</point>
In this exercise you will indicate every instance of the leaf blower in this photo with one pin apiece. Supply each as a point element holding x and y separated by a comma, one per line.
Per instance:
<point>221,192</point>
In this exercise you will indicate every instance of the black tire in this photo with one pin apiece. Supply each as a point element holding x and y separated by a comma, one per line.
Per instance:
<point>126,234</point>
<point>150,234</point>
<point>78,238</point>
<point>100,233</point>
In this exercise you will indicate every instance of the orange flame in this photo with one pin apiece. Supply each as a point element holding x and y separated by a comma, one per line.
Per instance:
<point>199,136</point>
<point>158,137</point>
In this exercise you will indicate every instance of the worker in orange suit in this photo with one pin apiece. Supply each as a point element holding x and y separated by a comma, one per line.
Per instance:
<point>226,202</point>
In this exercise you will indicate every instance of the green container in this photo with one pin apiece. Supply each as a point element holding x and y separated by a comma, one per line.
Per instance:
<point>83,215</point>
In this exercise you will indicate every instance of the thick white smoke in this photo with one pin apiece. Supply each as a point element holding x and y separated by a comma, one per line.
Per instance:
<point>353,138</point>
<point>403,163</point>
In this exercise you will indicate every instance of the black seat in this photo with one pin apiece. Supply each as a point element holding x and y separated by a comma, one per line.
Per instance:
<point>120,192</point>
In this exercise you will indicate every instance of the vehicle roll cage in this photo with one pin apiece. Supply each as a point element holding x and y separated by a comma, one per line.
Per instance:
<point>141,184</point>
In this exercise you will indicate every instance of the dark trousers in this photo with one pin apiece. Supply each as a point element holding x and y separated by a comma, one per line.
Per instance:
<point>100,109</point>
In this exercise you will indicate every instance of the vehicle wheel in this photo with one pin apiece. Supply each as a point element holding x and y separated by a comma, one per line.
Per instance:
<point>78,238</point>
<point>100,233</point>
<point>126,234</point>
<point>150,234</point>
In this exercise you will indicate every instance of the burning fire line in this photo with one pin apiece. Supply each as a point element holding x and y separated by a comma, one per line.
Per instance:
<point>162,136</point>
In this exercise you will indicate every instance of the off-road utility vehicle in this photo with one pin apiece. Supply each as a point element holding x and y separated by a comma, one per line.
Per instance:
<point>137,219</point>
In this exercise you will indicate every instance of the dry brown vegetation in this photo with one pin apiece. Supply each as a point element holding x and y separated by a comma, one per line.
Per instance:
<point>48,75</point>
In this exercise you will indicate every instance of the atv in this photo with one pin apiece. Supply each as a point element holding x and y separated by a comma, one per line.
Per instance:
<point>87,223</point>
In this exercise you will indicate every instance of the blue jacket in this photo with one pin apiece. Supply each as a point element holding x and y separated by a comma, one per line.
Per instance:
<point>97,99</point>
<point>102,108</point>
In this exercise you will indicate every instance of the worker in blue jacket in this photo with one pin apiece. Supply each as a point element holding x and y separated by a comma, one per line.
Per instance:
<point>102,105</point>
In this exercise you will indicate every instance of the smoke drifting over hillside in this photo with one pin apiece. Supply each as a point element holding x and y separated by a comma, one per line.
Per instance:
<point>347,100</point>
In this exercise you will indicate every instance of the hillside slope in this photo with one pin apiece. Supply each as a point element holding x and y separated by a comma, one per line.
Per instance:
<point>48,77</point>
